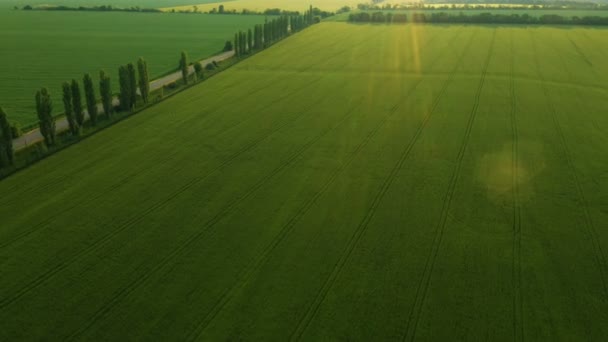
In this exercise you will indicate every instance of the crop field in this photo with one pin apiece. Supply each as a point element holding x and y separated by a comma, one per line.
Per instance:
<point>44,49</point>
<point>353,182</point>
<point>261,5</point>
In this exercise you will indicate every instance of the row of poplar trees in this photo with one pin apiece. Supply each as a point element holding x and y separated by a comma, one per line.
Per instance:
<point>73,104</point>
<point>263,35</point>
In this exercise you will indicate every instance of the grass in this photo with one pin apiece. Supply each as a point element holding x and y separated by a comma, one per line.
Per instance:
<point>437,182</point>
<point>39,52</point>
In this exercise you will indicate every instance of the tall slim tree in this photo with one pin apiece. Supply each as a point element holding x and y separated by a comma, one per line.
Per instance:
<point>125,92</point>
<point>6,141</point>
<point>69,110</point>
<point>144,81</point>
<point>89,95</point>
<point>77,103</point>
<point>132,84</point>
<point>44,108</point>
<point>243,40</point>
<point>236,45</point>
<point>183,66</point>
<point>105,90</point>
<point>250,40</point>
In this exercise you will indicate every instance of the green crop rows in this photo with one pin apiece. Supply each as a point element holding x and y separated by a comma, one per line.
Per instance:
<point>44,49</point>
<point>353,182</point>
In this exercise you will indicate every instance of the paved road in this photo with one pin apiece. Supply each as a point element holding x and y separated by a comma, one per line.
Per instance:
<point>34,136</point>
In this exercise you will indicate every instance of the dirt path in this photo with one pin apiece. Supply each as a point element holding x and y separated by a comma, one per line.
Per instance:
<point>34,136</point>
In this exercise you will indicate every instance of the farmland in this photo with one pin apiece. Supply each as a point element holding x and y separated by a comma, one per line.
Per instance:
<point>353,182</point>
<point>261,5</point>
<point>43,49</point>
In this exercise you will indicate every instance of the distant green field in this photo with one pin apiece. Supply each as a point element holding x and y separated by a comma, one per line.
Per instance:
<point>46,48</point>
<point>117,3</point>
<point>353,182</point>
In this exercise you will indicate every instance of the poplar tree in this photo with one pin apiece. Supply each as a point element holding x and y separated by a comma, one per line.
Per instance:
<point>144,81</point>
<point>256,38</point>
<point>250,40</point>
<point>44,108</point>
<point>242,43</point>
<point>125,92</point>
<point>105,90</point>
<point>237,51</point>
<point>77,103</point>
<point>6,141</point>
<point>132,84</point>
<point>69,110</point>
<point>183,65</point>
<point>89,95</point>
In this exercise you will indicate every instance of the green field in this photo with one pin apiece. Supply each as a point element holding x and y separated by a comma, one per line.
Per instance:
<point>116,3</point>
<point>47,48</point>
<point>353,182</point>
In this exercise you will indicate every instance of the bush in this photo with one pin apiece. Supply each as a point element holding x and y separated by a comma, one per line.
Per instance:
<point>228,46</point>
<point>171,85</point>
<point>210,66</point>
<point>198,69</point>
<point>16,130</point>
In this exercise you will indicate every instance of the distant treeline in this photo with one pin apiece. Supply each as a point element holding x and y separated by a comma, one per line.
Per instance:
<point>482,18</point>
<point>102,8</point>
<point>496,5</point>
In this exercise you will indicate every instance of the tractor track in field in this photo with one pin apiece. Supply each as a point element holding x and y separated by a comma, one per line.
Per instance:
<point>125,291</point>
<point>602,52</point>
<point>41,225</point>
<point>577,90</point>
<point>312,310</point>
<point>579,51</point>
<point>49,273</point>
<point>588,221</point>
<point>283,233</point>
<point>423,286</point>
<point>518,324</point>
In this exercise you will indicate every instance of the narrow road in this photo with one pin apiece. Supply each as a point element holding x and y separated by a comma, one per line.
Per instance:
<point>34,136</point>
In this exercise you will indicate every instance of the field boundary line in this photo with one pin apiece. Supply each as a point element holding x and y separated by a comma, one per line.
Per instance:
<point>130,221</point>
<point>133,285</point>
<point>360,230</point>
<point>420,297</point>
<point>518,324</point>
<point>588,221</point>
